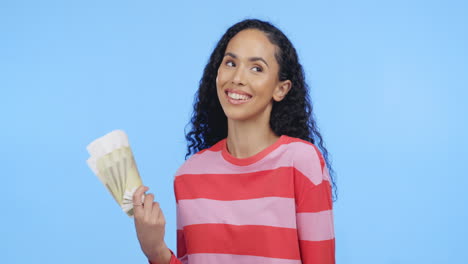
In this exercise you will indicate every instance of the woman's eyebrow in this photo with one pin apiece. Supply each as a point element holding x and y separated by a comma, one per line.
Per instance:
<point>230,54</point>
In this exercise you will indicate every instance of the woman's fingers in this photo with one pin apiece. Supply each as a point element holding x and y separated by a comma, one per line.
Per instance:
<point>149,223</point>
<point>137,201</point>
<point>156,212</point>
<point>147,210</point>
<point>148,206</point>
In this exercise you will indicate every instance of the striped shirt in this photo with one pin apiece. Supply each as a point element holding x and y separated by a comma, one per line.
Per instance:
<point>274,207</point>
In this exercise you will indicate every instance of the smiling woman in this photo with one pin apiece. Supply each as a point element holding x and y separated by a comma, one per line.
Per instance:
<point>248,75</point>
<point>258,185</point>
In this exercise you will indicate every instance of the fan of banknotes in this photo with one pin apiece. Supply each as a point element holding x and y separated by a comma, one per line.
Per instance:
<point>111,159</point>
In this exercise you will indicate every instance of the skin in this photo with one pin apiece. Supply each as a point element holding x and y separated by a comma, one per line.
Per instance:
<point>248,67</point>
<point>150,226</point>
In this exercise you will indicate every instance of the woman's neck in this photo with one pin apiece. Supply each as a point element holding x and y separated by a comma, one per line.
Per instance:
<point>247,138</point>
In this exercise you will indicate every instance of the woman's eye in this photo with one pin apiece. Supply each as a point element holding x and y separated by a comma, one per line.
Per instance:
<point>230,64</point>
<point>257,69</point>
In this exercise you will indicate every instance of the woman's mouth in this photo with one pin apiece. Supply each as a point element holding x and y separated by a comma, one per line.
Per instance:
<point>237,98</point>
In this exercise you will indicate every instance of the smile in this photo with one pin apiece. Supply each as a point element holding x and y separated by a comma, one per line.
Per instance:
<point>237,98</point>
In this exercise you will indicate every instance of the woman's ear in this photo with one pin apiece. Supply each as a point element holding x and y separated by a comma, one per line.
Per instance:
<point>282,90</point>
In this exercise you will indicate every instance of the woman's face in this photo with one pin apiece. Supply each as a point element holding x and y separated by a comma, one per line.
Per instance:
<point>247,81</point>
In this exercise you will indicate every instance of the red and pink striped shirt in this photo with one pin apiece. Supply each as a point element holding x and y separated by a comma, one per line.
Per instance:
<point>274,207</point>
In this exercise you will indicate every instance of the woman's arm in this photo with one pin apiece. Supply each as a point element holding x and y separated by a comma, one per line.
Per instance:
<point>314,206</point>
<point>150,227</point>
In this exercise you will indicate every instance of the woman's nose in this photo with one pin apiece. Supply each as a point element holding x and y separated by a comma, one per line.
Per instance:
<point>239,77</point>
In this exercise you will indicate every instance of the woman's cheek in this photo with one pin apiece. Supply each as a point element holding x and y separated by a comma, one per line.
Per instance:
<point>221,80</point>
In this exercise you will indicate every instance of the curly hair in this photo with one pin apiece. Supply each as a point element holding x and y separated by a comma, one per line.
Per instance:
<point>293,116</point>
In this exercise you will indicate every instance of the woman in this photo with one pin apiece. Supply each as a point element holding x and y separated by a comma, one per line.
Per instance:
<point>256,189</point>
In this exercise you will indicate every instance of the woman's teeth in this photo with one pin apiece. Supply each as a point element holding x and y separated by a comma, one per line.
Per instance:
<point>237,96</point>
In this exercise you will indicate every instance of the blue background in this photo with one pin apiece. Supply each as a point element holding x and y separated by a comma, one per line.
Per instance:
<point>388,81</point>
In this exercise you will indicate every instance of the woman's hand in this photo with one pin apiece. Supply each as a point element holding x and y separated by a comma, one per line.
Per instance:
<point>150,227</point>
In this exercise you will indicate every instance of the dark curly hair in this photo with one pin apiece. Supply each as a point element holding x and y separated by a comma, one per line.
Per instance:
<point>292,116</point>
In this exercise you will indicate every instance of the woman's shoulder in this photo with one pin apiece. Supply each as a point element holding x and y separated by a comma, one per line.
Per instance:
<point>301,148</point>
<point>306,157</point>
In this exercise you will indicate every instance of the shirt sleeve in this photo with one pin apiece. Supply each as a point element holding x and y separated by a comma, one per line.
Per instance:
<point>173,259</point>
<point>314,215</point>
<point>181,245</point>
<point>181,248</point>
